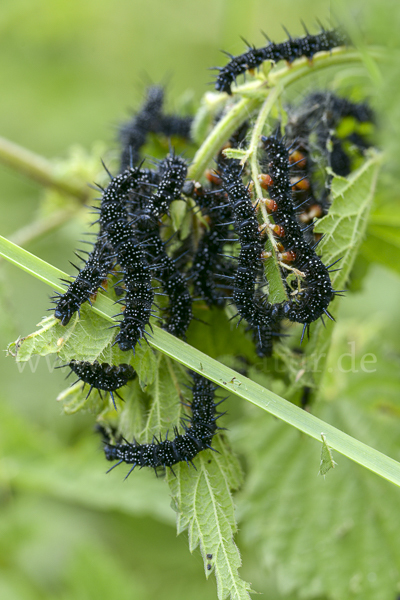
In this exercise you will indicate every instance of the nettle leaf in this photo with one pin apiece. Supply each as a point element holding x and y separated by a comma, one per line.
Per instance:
<point>345,226</point>
<point>334,537</point>
<point>202,498</point>
<point>344,229</point>
<point>163,400</point>
<point>201,495</point>
<point>87,338</point>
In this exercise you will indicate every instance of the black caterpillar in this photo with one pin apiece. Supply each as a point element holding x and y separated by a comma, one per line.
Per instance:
<point>312,300</point>
<point>101,376</point>
<point>249,303</point>
<point>289,50</point>
<point>210,271</point>
<point>90,278</point>
<point>172,175</point>
<point>129,221</point>
<point>184,447</point>
<point>139,294</point>
<point>150,119</point>
<point>312,127</point>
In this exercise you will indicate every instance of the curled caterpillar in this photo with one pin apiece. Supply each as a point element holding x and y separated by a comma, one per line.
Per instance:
<point>101,376</point>
<point>184,447</point>
<point>289,50</point>
<point>310,302</point>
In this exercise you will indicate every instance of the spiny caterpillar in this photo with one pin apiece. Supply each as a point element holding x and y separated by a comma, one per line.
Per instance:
<point>312,300</point>
<point>184,447</point>
<point>101,376</point>
<point>289,50</point>
<point>150,119</point>
<point>122,242</point>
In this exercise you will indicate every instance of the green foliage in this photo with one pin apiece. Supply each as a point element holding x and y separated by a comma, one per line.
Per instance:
<point>202,497</point>
<point>344,229</point>
<point>203,501</point>
<point>324,537</point>
<point>86,338</point>
<point>345,225</point>
<point>337,536</point>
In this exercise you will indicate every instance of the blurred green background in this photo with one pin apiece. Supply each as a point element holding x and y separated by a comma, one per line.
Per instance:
<point>70,72</point>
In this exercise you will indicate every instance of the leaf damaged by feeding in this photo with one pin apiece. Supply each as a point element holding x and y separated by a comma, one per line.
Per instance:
<point>87,339</point>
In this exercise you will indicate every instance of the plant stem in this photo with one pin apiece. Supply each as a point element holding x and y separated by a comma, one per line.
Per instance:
<point>221,132</point>
<point>40,227</point>
<point>40,169</point>
<point>272,271</point>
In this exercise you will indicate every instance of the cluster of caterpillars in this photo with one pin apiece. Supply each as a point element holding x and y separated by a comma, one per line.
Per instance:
<point>131,250</point>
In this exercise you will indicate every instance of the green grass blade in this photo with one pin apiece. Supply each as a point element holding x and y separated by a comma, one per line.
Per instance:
<point>232,381</point>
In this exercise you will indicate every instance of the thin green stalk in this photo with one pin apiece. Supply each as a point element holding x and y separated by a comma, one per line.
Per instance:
<point>221,132</point>
<point>272,271</point>
<point>338,57</point>
<point>38,168</point>
<point>223,376</point>
<point>40,227</point>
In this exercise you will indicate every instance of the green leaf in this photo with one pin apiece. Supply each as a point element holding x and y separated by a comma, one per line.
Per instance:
<point>167,392</point>
<point>334,537</point>
<point>86,339</point>
<point>202,498</point>
<point>327,461</point>
<point>344,229</point>
<point>345,225</point>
